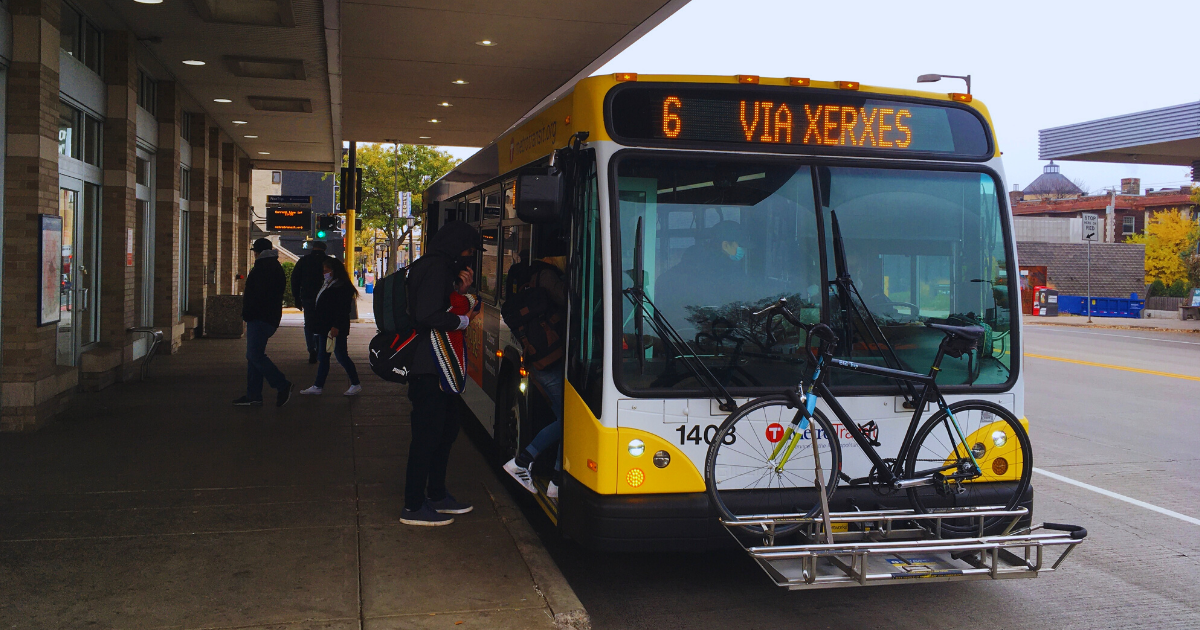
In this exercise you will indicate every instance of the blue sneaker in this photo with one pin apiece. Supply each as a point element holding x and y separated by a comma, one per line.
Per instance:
<point>450,505</point>
<point>424,517</point>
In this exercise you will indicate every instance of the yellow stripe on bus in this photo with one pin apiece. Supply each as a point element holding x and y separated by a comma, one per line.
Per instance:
<point>1114,367</point>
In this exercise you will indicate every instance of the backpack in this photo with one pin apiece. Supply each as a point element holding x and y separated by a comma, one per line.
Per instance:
<point>391,350</point>
<point>536,320</point>
<point>390,303</point>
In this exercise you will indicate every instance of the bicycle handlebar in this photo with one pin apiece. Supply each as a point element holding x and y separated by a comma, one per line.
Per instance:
<point>821,330</point>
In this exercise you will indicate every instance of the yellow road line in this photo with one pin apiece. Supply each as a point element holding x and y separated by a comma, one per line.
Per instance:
<point>1114,367</point>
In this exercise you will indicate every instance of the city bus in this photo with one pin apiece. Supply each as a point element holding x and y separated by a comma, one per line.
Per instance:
<point>726,194</point>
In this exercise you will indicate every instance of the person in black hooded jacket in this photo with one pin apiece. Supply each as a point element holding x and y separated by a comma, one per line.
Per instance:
<point>330,315</point>
<point>262,309</point>
<point>446,267</point>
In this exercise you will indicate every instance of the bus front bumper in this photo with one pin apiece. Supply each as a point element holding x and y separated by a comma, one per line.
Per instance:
<point>676,522</point>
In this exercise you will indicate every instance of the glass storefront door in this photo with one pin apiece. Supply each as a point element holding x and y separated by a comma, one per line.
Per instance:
<point>78,325</point>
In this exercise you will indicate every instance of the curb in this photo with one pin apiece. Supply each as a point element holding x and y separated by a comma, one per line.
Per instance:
<point>1104,326</point>
<point>564,605</point>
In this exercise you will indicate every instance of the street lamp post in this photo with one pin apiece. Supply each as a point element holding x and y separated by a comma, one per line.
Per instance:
<point>934,78</point>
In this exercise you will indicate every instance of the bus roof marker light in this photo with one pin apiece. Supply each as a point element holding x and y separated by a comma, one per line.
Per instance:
<point>960,97</point>
<point>636,447</point>
<point>622,77</point>
<point>847,85</point>
<point>799,81</point>
<point>747,78</point>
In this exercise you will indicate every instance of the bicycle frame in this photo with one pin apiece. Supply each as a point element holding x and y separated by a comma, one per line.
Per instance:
<point>929,393</point>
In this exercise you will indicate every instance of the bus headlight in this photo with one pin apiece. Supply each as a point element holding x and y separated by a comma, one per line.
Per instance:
<point>999,438</point>
<point>637,447</point>
<point>661,459</point>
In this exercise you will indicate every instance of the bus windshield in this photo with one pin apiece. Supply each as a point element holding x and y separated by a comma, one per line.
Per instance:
<point>722,237</point>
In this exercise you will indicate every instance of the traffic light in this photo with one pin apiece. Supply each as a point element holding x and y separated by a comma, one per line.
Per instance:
<point>326,223</point>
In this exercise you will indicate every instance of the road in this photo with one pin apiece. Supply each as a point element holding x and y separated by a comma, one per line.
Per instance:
<point>1131,432</point>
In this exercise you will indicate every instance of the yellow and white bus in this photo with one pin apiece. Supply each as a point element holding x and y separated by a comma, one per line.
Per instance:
<point>723,187</point>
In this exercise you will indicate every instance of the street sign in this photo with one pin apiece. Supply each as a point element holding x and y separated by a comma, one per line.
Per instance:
<point>1091,228</point>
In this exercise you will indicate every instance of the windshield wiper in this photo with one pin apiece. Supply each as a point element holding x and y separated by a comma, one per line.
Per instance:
<point>642,307</point>
<point>847,293</point>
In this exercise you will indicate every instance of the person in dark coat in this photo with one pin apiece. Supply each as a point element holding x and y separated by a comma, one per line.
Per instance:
<point>307,280</point>
<point>262,308</point>
<point>446,267</point>
<point>331,321</point>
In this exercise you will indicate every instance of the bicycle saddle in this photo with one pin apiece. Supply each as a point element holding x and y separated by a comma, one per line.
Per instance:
<point>965,332</point>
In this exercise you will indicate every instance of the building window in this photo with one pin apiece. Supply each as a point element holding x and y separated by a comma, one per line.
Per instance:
<point>147,93</point>
<point>276,177</point>
<point>93,136</point>
<point>69,132</point>
<point>1127,225</point>
<point>142,172</point>
<point>80,39</point>
<point>185,182</point>
<point>185,127</point>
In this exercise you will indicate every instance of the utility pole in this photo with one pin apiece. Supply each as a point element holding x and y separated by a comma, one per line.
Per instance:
<point>393,244</point>
<point>351,206</point>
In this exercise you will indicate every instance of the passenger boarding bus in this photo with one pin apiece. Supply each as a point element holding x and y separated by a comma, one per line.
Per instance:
<point>721,191</point>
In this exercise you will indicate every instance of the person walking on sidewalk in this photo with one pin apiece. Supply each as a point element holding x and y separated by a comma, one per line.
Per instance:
<point>331,323</point>
<point>307,281</point>
<point>262,308</point>
<point>445,268</point>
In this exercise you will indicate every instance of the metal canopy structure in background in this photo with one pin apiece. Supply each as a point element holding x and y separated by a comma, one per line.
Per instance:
<point>1168,136</point>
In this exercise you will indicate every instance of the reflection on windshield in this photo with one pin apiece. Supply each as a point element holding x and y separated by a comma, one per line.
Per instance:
<point>721,239</point>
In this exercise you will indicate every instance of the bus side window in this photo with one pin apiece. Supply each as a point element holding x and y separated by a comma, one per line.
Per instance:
<point>514,258</point>
<point>486,277</point>
<point>585,335</point>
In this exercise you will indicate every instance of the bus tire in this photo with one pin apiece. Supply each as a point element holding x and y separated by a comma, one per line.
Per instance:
<point>512,419</point>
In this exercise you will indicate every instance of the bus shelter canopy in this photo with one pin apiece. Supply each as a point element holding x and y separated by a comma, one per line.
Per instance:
<point>1169,136</point>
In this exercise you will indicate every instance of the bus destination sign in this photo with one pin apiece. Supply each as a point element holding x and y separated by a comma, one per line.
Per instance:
<point>794,120</point>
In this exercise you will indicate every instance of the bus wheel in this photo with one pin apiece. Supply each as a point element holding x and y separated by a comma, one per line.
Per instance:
<point>510,417</point>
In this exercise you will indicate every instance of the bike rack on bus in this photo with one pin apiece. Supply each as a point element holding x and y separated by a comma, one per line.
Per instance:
<point>894,546</point>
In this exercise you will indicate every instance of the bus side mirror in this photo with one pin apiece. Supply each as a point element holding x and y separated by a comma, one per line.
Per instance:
<point>540,197</point>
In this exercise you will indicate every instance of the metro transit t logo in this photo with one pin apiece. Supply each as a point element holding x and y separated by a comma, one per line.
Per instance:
<point>774,432</point>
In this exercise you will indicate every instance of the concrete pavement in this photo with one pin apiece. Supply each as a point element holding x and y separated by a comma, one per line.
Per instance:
<point>160,505</point>
<point>1156,323</point>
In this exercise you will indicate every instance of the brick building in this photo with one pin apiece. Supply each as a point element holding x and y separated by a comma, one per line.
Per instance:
<point>1123,215</point>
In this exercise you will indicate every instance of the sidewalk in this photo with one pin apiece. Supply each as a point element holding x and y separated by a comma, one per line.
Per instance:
<point>1157,323</point>
<point>160,505</point>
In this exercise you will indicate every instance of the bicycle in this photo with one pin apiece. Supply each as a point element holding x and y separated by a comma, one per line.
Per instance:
<point>968,453</point>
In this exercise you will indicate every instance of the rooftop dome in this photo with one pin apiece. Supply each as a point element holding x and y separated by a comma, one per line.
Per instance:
<point>1051,182</point>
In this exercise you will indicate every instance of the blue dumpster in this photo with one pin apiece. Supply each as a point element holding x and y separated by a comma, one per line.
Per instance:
<point>1102,306</point>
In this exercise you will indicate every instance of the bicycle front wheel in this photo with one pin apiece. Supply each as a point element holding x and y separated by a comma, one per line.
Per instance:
<point>756,466</point>
<point>999,444</point>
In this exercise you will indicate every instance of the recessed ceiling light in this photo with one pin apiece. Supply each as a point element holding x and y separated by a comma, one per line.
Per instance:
<point>222,100</point>
<point>264,153</point>
<point>485,42</point>
<point>444,104</point>
<point>434,120</point>
<point>424,137</point>
<point>193,62</point>
<point>459,82</point>
<point>252,137</point>
<point>240,122</point>
<point>148,1</point>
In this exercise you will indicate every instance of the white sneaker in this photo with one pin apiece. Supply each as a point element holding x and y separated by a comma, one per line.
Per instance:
<point>521,475</point>
<point>312,391</point>
<point>552,491</point>
<point>354,389</point>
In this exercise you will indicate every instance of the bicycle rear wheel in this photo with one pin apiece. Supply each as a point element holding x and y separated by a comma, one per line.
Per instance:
<point>742,468</point>
<point>1001,447</point>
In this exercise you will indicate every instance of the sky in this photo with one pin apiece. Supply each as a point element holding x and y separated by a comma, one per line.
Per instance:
<point>1035,64</point>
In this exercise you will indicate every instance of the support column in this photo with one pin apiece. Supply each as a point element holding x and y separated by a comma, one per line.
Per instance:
<point>167,237</point>
<point>216,252</point>
<point>198,230</point>
<point>242,187</point>
<point>226,285</point>
<point>119,208</point>
<point>32,387</point>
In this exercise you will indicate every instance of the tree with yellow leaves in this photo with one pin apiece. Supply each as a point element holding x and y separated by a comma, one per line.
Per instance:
<point>1170,237</point>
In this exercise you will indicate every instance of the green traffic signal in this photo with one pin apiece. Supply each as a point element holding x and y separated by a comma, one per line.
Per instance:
<point>321,234</point>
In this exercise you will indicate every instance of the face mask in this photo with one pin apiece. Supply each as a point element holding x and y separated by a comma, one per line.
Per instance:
<point>739,254</point>
<point>328,276</point>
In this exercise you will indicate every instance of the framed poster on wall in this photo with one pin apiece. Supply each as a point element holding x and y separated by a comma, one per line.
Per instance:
<point>50,270</point>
